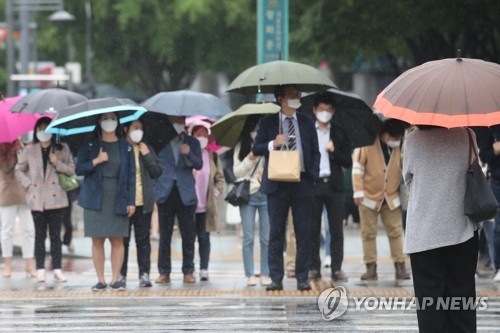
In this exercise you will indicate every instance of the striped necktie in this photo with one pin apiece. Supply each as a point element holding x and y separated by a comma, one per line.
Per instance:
<point>292,143</point>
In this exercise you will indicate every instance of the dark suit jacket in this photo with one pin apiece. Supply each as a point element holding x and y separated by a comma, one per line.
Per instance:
<point>268,130</point>
<point>340,158</point>
<point>180,172</point>
<point>91,190</point>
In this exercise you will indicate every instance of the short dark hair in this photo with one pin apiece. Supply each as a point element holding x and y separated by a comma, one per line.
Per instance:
<point>393,127</point>
<point>279,90</point>
<point>325,98</point>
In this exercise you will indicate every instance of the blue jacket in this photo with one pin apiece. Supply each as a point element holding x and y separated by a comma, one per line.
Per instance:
<point>269,129</point>
<point>91,190</point>
<point>180,173</point>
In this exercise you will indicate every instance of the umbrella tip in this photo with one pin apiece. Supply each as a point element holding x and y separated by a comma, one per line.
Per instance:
<point>459,55</point>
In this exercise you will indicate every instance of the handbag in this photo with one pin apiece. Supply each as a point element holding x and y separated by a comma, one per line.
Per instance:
<point>284,166</point>
<point>239,194</point>
<point>480,202</point>
<point>68,183</point>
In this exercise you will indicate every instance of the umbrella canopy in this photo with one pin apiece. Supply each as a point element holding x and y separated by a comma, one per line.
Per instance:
<point>447,93</point>
<point>187,103</point>
<point>81,117</point>
<point>158,129</point>
<point>264,77</point>
<point>352,114</point>
<point>14,125</point>
<point>227,130</point>
<point>47,101</point>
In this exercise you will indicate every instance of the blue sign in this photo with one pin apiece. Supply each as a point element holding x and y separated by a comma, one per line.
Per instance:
<point>272,30</point>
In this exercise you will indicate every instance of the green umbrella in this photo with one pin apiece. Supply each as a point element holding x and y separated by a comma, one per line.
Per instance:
<point>227,130</point>
<point>264,77</point>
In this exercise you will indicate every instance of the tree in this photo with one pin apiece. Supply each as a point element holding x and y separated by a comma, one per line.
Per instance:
<point>406,33</point>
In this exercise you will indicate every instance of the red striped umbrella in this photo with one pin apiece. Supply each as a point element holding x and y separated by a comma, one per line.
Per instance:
<point>447,93</point>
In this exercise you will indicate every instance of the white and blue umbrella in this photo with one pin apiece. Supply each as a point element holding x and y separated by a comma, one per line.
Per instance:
<point>82,117</point>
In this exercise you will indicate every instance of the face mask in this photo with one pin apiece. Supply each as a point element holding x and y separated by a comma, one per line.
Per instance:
<point>324,116</point>
<point>109,125</point>
<point>253,135</point>
<point>394,144</point>
<point>203,142</point>
<point>294,103</point>
<point>179,128</point>
<point>43,137</point>
<point>136,135</point>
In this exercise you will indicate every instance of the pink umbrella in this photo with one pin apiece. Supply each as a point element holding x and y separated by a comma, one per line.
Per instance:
<point>14,125</point>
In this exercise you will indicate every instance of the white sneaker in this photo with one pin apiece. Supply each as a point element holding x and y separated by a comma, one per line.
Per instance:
<point>252,281</point>
<point>203,275</point>
<point>327,262</point>
<point>497,276</point>
<point>40,275</point>
<point>58,276</point>
<point>265,280</point>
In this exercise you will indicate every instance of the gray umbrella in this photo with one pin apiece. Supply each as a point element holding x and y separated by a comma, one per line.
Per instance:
<point>47,101</point>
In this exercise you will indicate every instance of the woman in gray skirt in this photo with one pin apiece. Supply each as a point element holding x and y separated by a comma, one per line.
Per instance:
<point>107,194</point>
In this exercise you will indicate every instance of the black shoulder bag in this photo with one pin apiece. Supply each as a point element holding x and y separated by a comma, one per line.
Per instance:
<point>480,202</point>
<point>240,192</point>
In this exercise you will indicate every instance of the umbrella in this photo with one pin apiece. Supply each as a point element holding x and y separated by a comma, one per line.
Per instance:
<point>264,77</point>
<point>158,129</point>
<point>14,125</point>
<point>352,114</point>
<point>187,103</point>
<point>47,101</point>
<point>81,118</point>
<point>227,130</point>
<point>446,93</point>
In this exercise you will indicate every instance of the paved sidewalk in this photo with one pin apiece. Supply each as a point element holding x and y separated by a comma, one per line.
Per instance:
<point>226,273</point>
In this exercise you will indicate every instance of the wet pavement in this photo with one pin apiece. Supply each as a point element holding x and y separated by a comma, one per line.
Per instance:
<point>224,303</point>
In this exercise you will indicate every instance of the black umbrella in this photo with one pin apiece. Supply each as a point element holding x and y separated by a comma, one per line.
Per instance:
<point>158,129</point>
<point>47,101</point>
<point>352,114</point>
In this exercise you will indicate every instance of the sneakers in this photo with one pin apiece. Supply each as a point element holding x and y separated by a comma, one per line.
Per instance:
<point>203,275</point>
<point>40,275</point>
<point>327,262</point>
<point>144,281</point>
<point>99,287</point>
<point>58,276</point>
<point>265,280</point>
<point>119,285</point>
<point>497,276</point>
<point>251,281</point>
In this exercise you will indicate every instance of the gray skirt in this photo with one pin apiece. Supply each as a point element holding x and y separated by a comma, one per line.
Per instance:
<point>105,223</point>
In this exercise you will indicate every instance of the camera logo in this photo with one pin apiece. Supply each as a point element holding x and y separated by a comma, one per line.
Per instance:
<point>333,303</point>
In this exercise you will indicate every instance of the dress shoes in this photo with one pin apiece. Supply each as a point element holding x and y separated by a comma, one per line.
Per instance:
<point>189,278</point>
<point>163,278</point>
<point>303,286</point>
<point>275,286</point>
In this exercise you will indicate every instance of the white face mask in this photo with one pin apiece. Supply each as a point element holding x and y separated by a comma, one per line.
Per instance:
<point>294,103</point>
<point>324,116</point>
<point>179,128</point>
<point>203,141</point>
<point>109,125</point>
<point>43,137</point>
<point>253,135</point>
<point>136,135</point>
<point>394,144</point>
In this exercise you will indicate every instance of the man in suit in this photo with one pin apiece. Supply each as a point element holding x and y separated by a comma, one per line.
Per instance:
<point>335,153</point>
<point>297,131</point>
<point>176,196</point>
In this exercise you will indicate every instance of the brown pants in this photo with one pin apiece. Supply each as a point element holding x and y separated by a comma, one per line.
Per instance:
<point>393,227</point>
